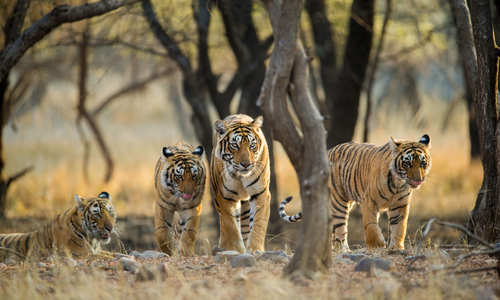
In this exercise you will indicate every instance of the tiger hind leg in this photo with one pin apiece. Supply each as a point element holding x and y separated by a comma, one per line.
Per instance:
<point>340,216</point>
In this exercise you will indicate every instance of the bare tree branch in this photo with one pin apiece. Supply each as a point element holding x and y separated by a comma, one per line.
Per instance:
<point>61,14</point>
<point>130,88</point>
<point>373,70</point>
<point>168,43</point>
<point>465,40</point>
<point>458,227</point>
<point>82,110</point>
<point>18,175</point>
<point>14,24</point>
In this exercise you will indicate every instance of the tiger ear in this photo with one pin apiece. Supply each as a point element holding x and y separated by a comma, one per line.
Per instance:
<point>219,127</point>
<point>167,152</point>
<point>394,144</point>
<point>426,140</point>
<point>198,151</point>
<point>79,202</point>
<point>258,122</point>
<point>105,195</point>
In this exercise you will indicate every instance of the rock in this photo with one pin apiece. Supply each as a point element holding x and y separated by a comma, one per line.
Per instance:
<point>367,264</point>
<point>129,264</point>
<point>225,256</point>
<point>274,256</point>
<point>148,254</point>
<point>354,256</point>
<point>243,260</point>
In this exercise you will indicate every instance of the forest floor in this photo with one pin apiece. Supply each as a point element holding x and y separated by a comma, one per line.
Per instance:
<point>418,273</point>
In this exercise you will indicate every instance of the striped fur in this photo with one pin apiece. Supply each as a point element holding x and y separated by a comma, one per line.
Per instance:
<point>240,182</point>
<point>180,183</point>
<point>77,232</point>
<point>284,216</point>
<point>378,178</point>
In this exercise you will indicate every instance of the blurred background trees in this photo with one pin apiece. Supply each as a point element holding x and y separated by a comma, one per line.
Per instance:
<point>153,72</point>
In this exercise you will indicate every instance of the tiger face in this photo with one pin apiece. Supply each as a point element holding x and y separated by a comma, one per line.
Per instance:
<point>412,160</point>
<point>240,145</point>
<point>98,216</point>
<point>184,174</point>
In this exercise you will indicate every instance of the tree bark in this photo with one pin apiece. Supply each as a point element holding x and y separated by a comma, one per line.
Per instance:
<point>61,14</point>
<point>475,35</point>
<point>344,104</point>
<point>306,147</point>
<point>486,213</point>
<point>468,61</point>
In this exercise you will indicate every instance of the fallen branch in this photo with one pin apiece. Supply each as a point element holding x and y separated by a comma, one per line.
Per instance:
<point>483,269</point>
<point>458,227</point>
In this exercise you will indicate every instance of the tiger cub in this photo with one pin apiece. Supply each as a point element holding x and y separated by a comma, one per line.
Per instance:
<point>240,176</point>
<point>378,178</point>
<point>180,184</point>
<point>77,232</point>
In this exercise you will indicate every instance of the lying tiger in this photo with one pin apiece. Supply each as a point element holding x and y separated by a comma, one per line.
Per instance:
<point>240,182</point>
<point>78,232</point>
<point>180,184</point>
<point>378,178</point>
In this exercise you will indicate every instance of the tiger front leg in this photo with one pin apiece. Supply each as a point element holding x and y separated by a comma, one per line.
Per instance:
<point>398,219</point>
<point>164,230</point>
<point>259,218</point>
<point>373,234</point>
<point>229,215</point>
<point>190,222</point>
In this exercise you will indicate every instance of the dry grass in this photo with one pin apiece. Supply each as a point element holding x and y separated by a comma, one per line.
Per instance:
<point>186,278</point>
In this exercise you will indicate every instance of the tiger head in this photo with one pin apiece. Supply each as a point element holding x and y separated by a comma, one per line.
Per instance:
<point>184,174</point>
<point>98,216</point>
<point>412,160</point>
<point>239,142</point>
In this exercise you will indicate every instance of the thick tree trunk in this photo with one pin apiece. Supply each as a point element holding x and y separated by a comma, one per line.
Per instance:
<point>468,60</point>
<point>344,105</point>
<point>482,74</point>
<point>306,147</point>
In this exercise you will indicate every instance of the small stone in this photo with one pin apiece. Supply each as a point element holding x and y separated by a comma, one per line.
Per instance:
<point>354,256</point>
<point>243,260</point>
<point>148,254</point>
<point>274,256</point>
<point>129,264</point>
<point>225,256</point>
<point>367,264</point>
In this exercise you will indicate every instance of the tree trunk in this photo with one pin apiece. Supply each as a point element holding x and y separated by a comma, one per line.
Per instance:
<point>482,74</point>
<point>467,58</point>
<point>307,150</point>
<point>343,106</point>
<point>486,213</point>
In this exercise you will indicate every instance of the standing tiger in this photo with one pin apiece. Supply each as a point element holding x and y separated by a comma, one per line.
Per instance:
<point>378,178</point>
<point>77,232</point>
<point>240,182</point>
<point>180,184</point>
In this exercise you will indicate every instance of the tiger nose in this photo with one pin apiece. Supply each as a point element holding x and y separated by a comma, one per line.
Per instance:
<point>245,164</point>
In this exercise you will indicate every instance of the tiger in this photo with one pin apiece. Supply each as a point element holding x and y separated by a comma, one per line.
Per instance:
<point>180,184</point>
<point>240,176</point>
<point>77,233</point>
<point>378,178</point>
